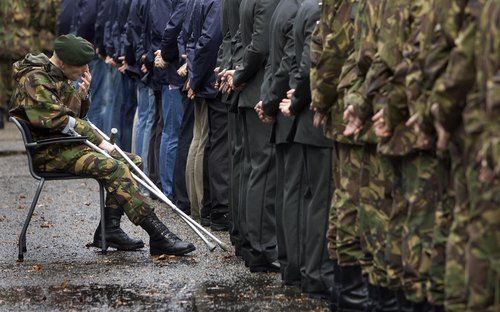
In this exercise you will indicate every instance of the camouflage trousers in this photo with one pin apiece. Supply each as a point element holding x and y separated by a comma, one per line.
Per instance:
<point>422,174</point>
<point>482,252</point>
<point>78,159</point>
<point>346,204</point>
<point>454,278</point>
<point>443,219</point>
<point>331,233</point>
<point>375,207</point>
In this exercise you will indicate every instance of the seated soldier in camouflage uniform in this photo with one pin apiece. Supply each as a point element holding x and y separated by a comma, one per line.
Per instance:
<point>45,98</point>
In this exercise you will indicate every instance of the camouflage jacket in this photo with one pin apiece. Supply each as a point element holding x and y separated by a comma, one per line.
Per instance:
<point>26,26</point>
<point>353,82</point>
<point>46,99</point>
<point>482,112</point>
<point>457,39</point>
<point>330,46</point>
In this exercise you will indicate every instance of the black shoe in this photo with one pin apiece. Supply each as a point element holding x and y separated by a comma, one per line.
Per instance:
<point>374,303</point>
<point>205,221</point>
<point>353,293</point>
<point>2,117</point>
<point>423,306</point>
<point>270,267</point>
<point>115,236</point>
<point>219,222</point>
<point>403,304</point>
<point>388,300</point>
<point>161,240</point>
<point>438,308</point>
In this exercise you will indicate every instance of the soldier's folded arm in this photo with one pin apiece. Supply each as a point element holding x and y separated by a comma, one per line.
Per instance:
<point>45,110</point>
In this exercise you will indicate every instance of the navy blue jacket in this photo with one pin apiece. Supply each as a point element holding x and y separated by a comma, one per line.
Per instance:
<point>103,16</point>
<point>203,47</point>
<point>65,19</point>
<point>169,48</point>
<point>85,19</point>
<point>158,17</point>
<point>186,29</point>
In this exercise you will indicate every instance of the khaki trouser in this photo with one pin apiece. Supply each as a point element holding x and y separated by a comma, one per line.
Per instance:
<point>194,166</point>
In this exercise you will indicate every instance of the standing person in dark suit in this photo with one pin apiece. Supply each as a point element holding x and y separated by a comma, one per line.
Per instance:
<point>316,268</point>
<point>278,79</point>
<point>257,187</point>
<point>230,54</point>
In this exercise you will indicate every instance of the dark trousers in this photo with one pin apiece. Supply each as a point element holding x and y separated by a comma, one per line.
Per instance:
<point>257,192</point>
<point>235,157</point>
<point>127,113</point>
<point>316,266</point>
<point>154,143</point>
<point>179,189</point>
<point>218,161</point>
<point>289,194</point>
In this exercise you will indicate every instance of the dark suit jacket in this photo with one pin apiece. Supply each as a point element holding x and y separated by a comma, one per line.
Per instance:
<point>255,18</point>
<point>281,68</point>
<point>305,22</point>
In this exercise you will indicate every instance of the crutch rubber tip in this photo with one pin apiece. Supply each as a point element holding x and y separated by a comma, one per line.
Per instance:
<point>224,247</point>
<point>211,247</point>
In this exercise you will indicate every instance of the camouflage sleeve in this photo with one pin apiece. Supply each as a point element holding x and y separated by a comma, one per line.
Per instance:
<point>488,69</point>
<point>365,28</point>
<point>44,110</point>
<point>316,46</point>
<point>337,44</point>
<point>450,89</point>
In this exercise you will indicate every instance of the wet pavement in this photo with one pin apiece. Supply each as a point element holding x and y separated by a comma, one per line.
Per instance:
<point>61,273</point>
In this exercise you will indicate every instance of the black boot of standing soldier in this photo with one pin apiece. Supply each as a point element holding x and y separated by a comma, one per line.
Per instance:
<point>161,240</point>
<point>353,293</point>
<point>3,115</point>
<point>115,236</point>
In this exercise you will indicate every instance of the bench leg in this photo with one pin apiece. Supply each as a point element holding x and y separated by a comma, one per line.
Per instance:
<point>22,237</point>
<point>103,232</point>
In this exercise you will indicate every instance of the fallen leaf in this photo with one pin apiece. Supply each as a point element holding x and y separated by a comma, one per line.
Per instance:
<point>3,218</point>
<point>37,267</point>
<point>22,196</point>
<point>46,225</point>
<point>87,203</point>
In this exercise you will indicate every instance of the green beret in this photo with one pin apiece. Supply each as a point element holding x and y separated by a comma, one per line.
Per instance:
<point>73,50</point>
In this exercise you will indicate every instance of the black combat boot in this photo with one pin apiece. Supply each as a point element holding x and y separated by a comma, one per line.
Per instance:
<point>115,236</point>
<point>388,300</point>
<point>423,306</point>
<point>2,117</point>
<point>403,304</point>
<point>373,304</point>
<point>335,290</point>
<point>353,293</point>
<point>161,240</point>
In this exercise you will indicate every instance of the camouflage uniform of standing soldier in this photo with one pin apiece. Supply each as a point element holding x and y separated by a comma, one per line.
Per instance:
<point>444,109</point>
<point>375,179</point>
<point>336,31</point>
<point>45,98</point>
<point>16,40</point>
<point>25,25</point>
<point>482,124</point>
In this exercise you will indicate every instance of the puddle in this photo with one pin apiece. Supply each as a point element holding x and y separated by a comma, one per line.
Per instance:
<point>85,297</point>
<point>256,293</point>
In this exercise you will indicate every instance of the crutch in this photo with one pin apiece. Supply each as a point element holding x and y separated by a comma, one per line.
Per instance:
<point>154,189</point>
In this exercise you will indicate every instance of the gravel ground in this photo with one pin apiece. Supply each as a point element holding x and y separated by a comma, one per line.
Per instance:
<point>61,273</point>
